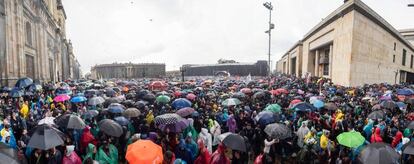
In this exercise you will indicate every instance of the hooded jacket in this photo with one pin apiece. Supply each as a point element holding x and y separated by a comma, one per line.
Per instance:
<point>89,153</point>
<point>207,139</point>
<point>396,139</point>
<point>376,137</point>
<point>219,156</point>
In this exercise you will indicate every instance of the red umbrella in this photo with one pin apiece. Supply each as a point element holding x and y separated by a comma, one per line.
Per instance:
<point>191,96</point>
<point>295,101</point>
<point>246,90</point>
<point>274,92</point>
<point>158,85</point>
<point>282,90</point>
<point>177,94</point>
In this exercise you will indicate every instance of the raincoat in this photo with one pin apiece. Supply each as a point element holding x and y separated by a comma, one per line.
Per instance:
<point>24,111</point>
<point>368,128</point>
<point>103,158</point>
<point>207,139</point>
<point>396,139</point>
<point>89,153</point>
<point>376,137</point>
<point>324,141</point>
<point>204,157</point>
<point>182,152</point>
<point>149,118</point>
<point>301,133</point>
<point>215,130</point>
<point>231,124</point>
<point>219,156</point>
<point>86,138</point>
<point>71,157</point>
<point>192,146</point>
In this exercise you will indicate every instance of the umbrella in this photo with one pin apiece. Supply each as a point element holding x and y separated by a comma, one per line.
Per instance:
<point>78,99</point>
<point>131,112</point>
<point>266,117</point>
<point>110,92</point>
<point>191,96</point>
<point>144,151</point>
<point>405,92</point>
<point>163,99</point>
<point>408,148</point>
<point>304,107</point>
<point>177,127</point>
<point>70,121</point>
<point>47,120</point>
<point>378,153</point>
<point>90,114</point>
<point>411,125</point>
<point>278,131</point>
<point>410,101</point>
<point>6,90</point>
<point>239,95</point>
<point>318,104</point>
<point>184,112</point>
<point>401,105</point>
<point>45,137</point>
<point>330,106</point>
<point>121,120</point>
<point>259,95</point>
<point>351,139</point>
<point>8,155</point>
<point>141,104</point>
<point>233,141</point>
<point>116,108</point>
<point>63,90</point>
<point>61,98</point>
<point>112,100</point>
<point>231,102</point>
<point>149,97</point>
<point>168,118</point>
<point>35,88</point>
<point>276,108</point>
<point>128,103</point>
<point>246,90</point>
<point>91,92</point>
<point>24,82</point>
<point>389,104</point>
<point>181,103</point>
<point>376,115</point>
<point>16,92</point>
<point>110,127</point>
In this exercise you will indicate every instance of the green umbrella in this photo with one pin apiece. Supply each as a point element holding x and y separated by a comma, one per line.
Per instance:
<point>163,99</point>
<point>275,108</point>
<point>351,139</point>
<point>231,102</point>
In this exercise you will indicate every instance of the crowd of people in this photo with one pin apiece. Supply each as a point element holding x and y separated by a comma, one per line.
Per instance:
<point>283,119</point>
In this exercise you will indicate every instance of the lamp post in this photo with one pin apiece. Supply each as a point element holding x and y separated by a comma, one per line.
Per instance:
<point>269,6</point>
<point>182,70</point>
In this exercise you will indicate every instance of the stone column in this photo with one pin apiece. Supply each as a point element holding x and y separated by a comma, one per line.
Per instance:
<point>317,63</point>
<point>330,60</point>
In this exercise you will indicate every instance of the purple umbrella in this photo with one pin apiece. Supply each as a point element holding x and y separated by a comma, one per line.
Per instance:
<point>176,127</point>
<point>184,112</point>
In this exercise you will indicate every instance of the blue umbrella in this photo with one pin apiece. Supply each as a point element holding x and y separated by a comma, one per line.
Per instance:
<point>405,91</point>
<point>24,82</point>
<point>181,103</point>
<point>304,107</point>
<point>116,108</point>
<point>78,99</point>
<point>266,117</point>
<point>16,92</point>
<point>121,120</point>
<point>318,104</point>
<point>401,105</point>
<point>63,90</point>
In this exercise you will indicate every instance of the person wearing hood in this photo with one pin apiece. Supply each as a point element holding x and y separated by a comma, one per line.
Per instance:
<point>376,137</point>
<point>70,156</point>
<point>219,156</point>
<point>86,138</point>
<point>107,154</point>
<point>205,136</point>
<point>368,129</point>
<point>215,130</point>
<point>204,157</point>
<point>192,146</point>
<point>182,152</point>
<point>90,153</point>
<point>396,140</point>
<point>231,124</point>
<point>301,133</point>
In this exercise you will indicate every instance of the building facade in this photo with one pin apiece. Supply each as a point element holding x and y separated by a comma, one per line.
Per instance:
<point>352,46</point>
<point>33,41</point>
<point>128,71</point>
<point>237,69</point>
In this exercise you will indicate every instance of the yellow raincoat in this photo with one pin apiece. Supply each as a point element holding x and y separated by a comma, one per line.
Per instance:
<point>339,116</point>
<point>324,141</point>
<point>24,111</point>
<point>149,118</point>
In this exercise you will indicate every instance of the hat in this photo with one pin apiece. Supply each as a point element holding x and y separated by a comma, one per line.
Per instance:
<point>69,149</point>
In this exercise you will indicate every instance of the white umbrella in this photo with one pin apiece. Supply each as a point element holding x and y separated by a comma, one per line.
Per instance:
<point>47,120</point>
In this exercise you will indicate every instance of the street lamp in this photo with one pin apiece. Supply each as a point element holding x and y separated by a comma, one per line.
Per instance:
<point>183,69</point>
<point>269,6</point>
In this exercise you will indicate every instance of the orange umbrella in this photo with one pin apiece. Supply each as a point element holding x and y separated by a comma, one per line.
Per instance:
<point>144,151</point>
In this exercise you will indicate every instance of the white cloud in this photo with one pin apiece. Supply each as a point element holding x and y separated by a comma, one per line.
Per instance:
<point>179,32</point>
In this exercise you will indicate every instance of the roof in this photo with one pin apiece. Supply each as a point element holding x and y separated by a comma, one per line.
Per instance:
<point>362,8</point>
<point>211,65</point>
<point>299,43</point>
<point>126,64</point>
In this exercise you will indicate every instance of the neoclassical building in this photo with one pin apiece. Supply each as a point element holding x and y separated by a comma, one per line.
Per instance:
<point>353,46</point>
<point>128,71</point>
<point>33,42</point>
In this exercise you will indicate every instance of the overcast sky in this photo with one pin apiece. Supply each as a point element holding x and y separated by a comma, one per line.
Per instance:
<point>179,32</point>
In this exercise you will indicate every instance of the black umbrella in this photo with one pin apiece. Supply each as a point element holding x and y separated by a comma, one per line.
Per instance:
<point>410,101</point>
<point>149,97</point>
<point>330,106</point>
<point>378,153</point>
<point>376,115</point>
<point>408,148</point>
<point>90,114</point>
<point>24,82</point>
<point>304,107</point>
<point>16,92</point>
<point>112,100</point>
<point>91,92</point>
<point>389,104</point>
<point>45,137</point>
<point>128,103</point>
<point>110,92</point>
<point>140,104</point>
<point>278,131</point>
<point>411,125</point>
<point>110,127</point>
<point>8,155</point>
<point>234,141</point>
<point>95,101</point>
<point>70,121</point>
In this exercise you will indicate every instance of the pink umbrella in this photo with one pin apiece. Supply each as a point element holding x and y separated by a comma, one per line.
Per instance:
<point>184,112</point>
<point>61,98</point>
<point>246,90</point>
<point>191,96</point>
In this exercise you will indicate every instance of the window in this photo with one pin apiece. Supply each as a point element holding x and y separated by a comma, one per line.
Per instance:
<point>326,69</point>
<point>404,55</point>
<point>411,63</point>
<point>30,67</point>
<point>28,33</point>
<point>395,46</point>
<point>393,58</point>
